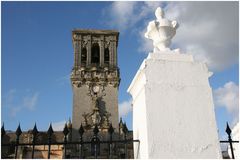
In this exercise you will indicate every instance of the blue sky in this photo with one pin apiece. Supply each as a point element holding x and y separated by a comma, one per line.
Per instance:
<point>37,53</point>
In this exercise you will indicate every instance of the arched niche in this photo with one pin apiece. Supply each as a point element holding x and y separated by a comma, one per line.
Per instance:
<point>106,56</point>
<point>84,55</point>
<point>95,55</point>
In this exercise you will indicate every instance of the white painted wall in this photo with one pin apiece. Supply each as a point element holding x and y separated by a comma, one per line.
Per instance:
<point>235,137</point>
<point>173,111</point>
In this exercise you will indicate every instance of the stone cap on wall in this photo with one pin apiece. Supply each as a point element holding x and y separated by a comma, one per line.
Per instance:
<point>95,31</point>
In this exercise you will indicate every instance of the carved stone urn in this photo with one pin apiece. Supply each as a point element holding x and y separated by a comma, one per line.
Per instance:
<point>161,31</point>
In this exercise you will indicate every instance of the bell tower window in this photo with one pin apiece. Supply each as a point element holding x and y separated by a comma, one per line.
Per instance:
<point>84,55</point>
<point>95,54</point>
<point>106,56</point>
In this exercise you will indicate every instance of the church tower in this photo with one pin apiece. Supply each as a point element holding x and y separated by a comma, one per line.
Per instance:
<point>95,79</point>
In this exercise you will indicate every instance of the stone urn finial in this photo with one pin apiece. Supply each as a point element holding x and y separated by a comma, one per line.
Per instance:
<point>161,31</point>
<point>159,13</point>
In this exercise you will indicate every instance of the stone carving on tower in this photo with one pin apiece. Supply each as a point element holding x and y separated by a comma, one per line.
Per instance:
<point>97,116</point>
<point>95,79</point>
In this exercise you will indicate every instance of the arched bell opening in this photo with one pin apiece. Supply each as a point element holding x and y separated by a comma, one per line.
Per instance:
<point>95,56</point>
<point>106,56</point>
<point>84,56</point>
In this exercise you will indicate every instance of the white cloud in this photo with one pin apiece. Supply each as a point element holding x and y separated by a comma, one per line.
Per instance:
<point>9,97</point>
<point>15,101</point>
<point>125,108</point>
<point>146,44</point>
<point>58,126</point>
<point>228,97</point>
<point>15,110</point>
<point>125,15</point>
<point>208,30</point>
<point>30,101</point>
<point>217,32</point>
<point>121,14</point>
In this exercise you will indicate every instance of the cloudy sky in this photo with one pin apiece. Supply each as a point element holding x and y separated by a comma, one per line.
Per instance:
<point>37,53</point>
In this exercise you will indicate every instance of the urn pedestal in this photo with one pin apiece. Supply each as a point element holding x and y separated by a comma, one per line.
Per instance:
<point>173,111</point>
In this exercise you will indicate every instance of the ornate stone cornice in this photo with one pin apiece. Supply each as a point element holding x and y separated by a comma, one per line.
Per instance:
<point>82,76</point>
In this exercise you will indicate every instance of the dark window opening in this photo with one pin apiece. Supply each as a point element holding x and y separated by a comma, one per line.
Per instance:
<point>95,53</point>
<point>84,56</point>
<point>106,56</point>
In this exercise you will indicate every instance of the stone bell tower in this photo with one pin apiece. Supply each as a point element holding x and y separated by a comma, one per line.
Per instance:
<point>95,79</point>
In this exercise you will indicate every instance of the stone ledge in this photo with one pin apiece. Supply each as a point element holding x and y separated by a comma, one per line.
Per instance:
<point>92,31</point>
<point>171,56</point>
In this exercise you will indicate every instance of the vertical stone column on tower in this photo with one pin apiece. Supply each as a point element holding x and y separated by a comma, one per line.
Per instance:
<point>173,111</point>
<point>95,80</point>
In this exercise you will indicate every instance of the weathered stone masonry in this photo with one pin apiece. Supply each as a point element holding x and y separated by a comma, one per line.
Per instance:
<point>95,79</point>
